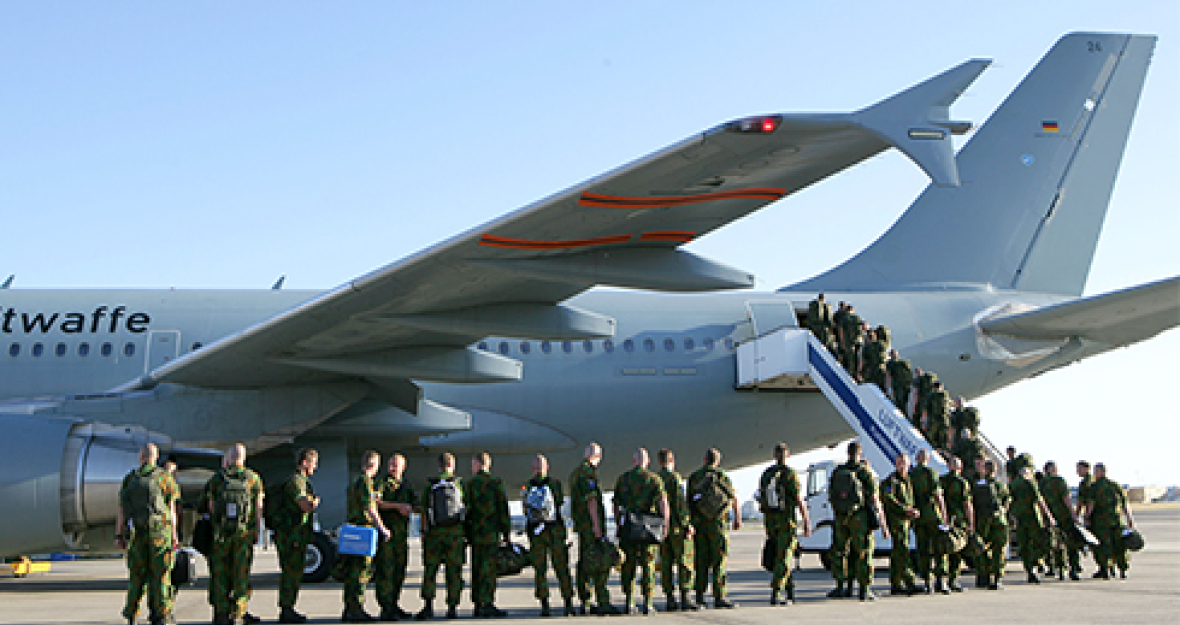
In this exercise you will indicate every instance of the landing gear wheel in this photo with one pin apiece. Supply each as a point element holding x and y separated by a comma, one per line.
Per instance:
<point>321,556</point>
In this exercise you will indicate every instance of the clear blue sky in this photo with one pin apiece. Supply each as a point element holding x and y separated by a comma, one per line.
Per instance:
<point>221,144</point>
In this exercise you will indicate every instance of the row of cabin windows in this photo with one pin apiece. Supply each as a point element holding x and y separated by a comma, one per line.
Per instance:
<point>708,344</point>
<point>36,350</point>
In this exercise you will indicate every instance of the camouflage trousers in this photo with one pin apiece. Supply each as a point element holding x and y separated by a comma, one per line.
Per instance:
<point>901,574</point>
<point>483,573</point>
<point>389,571</point>
<point>930,562</point>
<point>712,551</point>
<point>549,546</point>
<point>954,561</point>
<point>586,578</point>
<point>1071,551</point>
<point>643,557</point>
<point>822,333</point>
<point>443,545</point>
<point>782,531</point>
<point>676,562</point>
<point>149,566</point>
<point>229,573</point>
<point>852,547</point>
<point>875,373</point>
<point>357,572</point>
<point>292,547</point>
<point>1110,552</point>
<point>993,531</point>
<point>850,358</point>
<point>1030,537</point>
<point>901,395</point>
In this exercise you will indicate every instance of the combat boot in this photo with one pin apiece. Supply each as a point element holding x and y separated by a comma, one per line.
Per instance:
<point>790,594</point>
<point>981,580</point>
<point>721,603</point>
<point>426,613</point>
<point>629,606</point>
<point>866,594</point>
<point>608,610</point>
<point>646,607</point>
<point>685,604</point>
<point>701,598</point>
<point>838,591</point>
<point>569,607</point>
<point>250,619</point>
<point>545,607</point>
<point>774,600</point>
<point>670,604</point>
<point>289,615</point>
<point>1102,573</point>
<point>1073,575</point>
<point>1122,573</point>
<point>452,612</point>
<point>940,587</point>
<point>222,619</point>
<point>955,586</point>
<point>1033,578</point>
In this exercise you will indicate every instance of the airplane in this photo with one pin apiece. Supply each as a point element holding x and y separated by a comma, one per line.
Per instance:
<point>498,339</point>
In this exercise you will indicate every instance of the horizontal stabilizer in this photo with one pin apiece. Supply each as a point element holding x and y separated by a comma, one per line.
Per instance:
<point>1119,318</point>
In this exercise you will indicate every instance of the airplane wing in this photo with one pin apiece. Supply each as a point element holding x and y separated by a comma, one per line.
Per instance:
<point>415,319</point>
<point>1117,319</point>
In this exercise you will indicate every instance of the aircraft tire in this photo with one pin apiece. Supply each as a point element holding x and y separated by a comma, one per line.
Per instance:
<point>321,555</point>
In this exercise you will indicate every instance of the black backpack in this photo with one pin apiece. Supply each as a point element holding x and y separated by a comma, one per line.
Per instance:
<point>774,497</point>
<point>446,504</point>
<point>845,491</point>
<point>235,507</point>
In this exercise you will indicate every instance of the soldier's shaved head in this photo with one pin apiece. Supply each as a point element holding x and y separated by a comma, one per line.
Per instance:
<point>922,456</point>
<point>235,455</point>
<point>446,461</point>
<point>593,453</point>
<point>1051,468</point>
<point>1099,470</point>
<point>149,454</point>
<point>712,457</point>
<point>902,463</point>
<point>666,457</point>
<point>853,450</point>
<point>954,464</point>
<point>397,465</point>
<point>540,464</point>
<point>481,462</point>
<point>782,452</point>
<point>641,459</point>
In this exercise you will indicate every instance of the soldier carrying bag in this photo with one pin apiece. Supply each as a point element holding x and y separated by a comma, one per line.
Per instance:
<point>446,507</point>
<point>846,493</point>
<point>711,497</point>
<point>143,499</point>
<point>642,528</point>
<point>511,559</point>
<point>601,556</point>
<point>232,510</point>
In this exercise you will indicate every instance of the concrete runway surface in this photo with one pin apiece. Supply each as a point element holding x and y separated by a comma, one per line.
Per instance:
<point>93,592</point>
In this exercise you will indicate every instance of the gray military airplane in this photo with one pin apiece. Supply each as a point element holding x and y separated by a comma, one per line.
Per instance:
<point>494,340</point>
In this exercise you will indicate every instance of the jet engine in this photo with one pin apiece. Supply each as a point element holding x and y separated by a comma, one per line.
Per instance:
<point>62,480</point>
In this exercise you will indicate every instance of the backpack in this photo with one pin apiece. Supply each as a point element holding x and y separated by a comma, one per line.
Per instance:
<point>446,504</point>
<point>845,491</point>
<point>710,498</point>
<point>143,499</point>
<point>774,497</point>
<point>233,509</point>
<point>539,505</point>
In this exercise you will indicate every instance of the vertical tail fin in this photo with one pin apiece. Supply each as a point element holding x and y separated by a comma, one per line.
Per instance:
<point>1036,182</point>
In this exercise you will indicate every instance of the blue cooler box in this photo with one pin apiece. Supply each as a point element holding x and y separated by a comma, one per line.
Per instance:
<point>357,540</point>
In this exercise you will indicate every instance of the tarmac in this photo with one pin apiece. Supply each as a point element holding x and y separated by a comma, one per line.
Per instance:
<point>92,591</point>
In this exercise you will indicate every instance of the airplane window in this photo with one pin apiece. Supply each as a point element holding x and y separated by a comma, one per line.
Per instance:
<point>60,349</point>
<point>608,346</point>
<point>106,349</point>
<point>707,344</point>
<point>483,345</point>
<point>197,346</point>
<point>628,346</point>
<point>546,346</point>
<point>525,347</point>
<point>14,350</point>
<point>567,346</point>
<point>669,345</point>
<point>129,349</point>
<point>83,349</point>
<point>689,344</point>
<point>38,349</point>
<point>728,343</point>
<point>649,345</point>
<point>588,346</point>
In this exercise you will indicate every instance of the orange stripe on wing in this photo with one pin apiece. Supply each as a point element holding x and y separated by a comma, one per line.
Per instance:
<point>683,236</point>
<point>490,240</point>
<point>603,200</point>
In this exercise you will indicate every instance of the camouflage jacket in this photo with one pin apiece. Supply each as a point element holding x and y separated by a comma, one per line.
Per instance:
<point>361,498</point>
<point>937,407</point>
<point>853,329</point>
<point>875,353</point>
<point>1109,502</point>
<point>487,509</point>
<point>956,492</point>
<point>926,487</point>
<point>789,490</point>
<point>899,369</point>
<point>678,518</point>
<point>1024,508</point>
<point>396,491</point>
<point>216,486</point>
<point>159,526</point>
<point>639,490</point>
<point>819,314</point>
<point>694,481</point>
<point>584,486</point>
<point>290,516</point>
<point>1084,490</point>
<point>896,496</point>
<point>1056,494</point>
<point>424,507</point>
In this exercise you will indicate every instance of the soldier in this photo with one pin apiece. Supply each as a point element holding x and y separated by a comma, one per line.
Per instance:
<point>873,366</point>
<point>884,336</point>
<point>442,537</point>
<point>1084,485</point>
<point>147,498</point>
<point>852,492</point>
<point>838,319</point>
<point>639,491</point>
<point>932,513</point>
<point>589,513</point>
<point>956,494</point>
<point>711,495</point>
<point>936,422</point>
<point>899,376</point>
<point>853,333</point>
<point>488,525</point>
<point>676,552</point>
<point>989,499</point>
<point>234,498</point>
<point>898,498</point>
<point>396,505</point>
<point>293,531</point>
<point>920,396</point>
<point>1032,518</point>
<point>967,450</point>
<point>1105,510</point>
<point>1016,463</point>
<point>819,319</point>
<point>780,497</point>
<point>1056,494</point>
<point>542,503</point>
<point>965,417</point>
<point>362,510</point>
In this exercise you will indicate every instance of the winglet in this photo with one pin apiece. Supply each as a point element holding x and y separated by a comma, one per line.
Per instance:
<point>8,282</point>
<point>917,121</point>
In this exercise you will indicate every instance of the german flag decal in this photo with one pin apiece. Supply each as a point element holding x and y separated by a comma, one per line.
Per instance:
<point>1049,127</point>
<point>623,202</point>
<point>490,240</point>
<point>679,236</point>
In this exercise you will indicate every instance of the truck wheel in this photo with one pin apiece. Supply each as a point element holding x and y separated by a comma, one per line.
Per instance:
<point>321,555</point>
<point>826,560</point>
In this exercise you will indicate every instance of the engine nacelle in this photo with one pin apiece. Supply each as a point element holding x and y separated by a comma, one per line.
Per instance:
<point>62,478</point>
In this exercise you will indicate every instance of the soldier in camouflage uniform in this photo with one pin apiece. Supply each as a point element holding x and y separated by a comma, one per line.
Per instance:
<point>1105,510</point>
<point>641,491</point>
<point>956,495</point>
<point>362,510</point>
<point>819,319</point>
<point>589,515</point>
<point>1055,491</point>
<point>1083,498</point>
<point>547,540</point>
<point>396,506</point>
<point>1032,518</point>
<point>964,420</point>
<point>936,422</point>
<point>897,496</point>
<point>780,497</point>
<point>967,449</point>
<point>872,368</point>
<point>920,395</point>
<point>1017,463</point>
<point>899,375</point>
<point>293,531</point>
<point>234,495</point>
<point>989,499</point>
<point>488,525</point>
<point>932,513</point>
<point>441,545</point>
<point>852,532</point>
<point>148,499</point>
<point>838,318</point>
<point>676,552</point>
<point>712,538</point>
<point>853,332</point>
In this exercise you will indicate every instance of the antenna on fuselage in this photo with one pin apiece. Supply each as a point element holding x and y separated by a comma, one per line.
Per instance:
<point>278,285</point>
